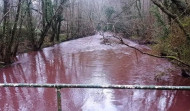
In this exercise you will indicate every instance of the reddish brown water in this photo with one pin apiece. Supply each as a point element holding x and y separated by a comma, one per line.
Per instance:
<point>86,61</point>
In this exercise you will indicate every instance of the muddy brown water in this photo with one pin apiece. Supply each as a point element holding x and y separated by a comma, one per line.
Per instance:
<point>86,61</point>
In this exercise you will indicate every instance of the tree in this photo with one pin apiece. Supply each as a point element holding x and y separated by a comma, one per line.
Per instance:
<point>171,15</point>
<point>7,45</point>
<point>56,24</point>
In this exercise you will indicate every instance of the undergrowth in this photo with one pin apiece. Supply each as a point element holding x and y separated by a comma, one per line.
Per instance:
<point>176,43</point>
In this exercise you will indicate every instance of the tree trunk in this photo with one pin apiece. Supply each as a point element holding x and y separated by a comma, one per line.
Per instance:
<point>48,25</point>
<point>58,30</point>
<point>6,15</point>
<point>43,14</point>
<point>54,23</point>
<point>59,20</point>
<point>17,41</point>
<point>53,32</point>
<point>182,6</point>
<point>30,25</point>
<point>6,32</point>
<point>9,49</point>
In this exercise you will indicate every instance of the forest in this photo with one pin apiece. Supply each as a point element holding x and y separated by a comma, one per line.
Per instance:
<point>94,55</point>
<point>27,25</point>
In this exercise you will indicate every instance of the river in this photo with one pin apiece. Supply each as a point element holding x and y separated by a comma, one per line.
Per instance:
<point>87,61</point>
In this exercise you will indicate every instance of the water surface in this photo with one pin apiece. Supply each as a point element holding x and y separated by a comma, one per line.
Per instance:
<point>87,61</point>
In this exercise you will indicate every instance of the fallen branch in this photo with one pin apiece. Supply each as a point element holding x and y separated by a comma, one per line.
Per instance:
<point>157,56</point>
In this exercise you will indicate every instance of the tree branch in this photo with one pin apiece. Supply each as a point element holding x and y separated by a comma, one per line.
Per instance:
<point>173,16</point>
<point>145,53</point>
<point>182,6</point>
<point>4,16</point>
<point>157,56</point>
<point>37,11</point>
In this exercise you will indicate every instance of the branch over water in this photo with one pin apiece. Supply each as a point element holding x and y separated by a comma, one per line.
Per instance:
<point>157,56</point>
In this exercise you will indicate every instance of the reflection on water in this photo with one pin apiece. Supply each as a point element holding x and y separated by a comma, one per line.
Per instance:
<point>99,100</point>
<point>86,61</point>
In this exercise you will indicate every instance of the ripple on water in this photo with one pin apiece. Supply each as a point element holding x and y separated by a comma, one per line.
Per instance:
<point>86,61</point>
